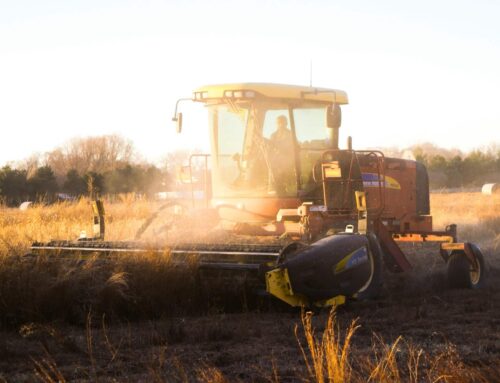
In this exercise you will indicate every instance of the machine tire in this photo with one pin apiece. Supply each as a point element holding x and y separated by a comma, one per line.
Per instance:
<point>373,286</point>
<point>459,273</point>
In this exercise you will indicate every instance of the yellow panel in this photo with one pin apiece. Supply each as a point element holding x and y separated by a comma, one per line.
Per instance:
<point>278,284</point>
<point>452,246</point>
<point>276,91</point>
<point>98,207</point>
<point>332,171</point>
<point>422,238</point>
<point>360,200</point>
<point>335,301</point>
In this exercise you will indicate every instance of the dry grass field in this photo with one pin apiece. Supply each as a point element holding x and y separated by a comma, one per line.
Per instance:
<point>137,318</point>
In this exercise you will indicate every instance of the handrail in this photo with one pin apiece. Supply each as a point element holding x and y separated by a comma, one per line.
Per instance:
<point>380,179</point>
<point>206,177</point>
<point>355,155</point>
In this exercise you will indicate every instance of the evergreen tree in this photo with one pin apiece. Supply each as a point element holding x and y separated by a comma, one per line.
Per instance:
<point>75,184</point>
<point>13,185</point>
<point>43,184</point>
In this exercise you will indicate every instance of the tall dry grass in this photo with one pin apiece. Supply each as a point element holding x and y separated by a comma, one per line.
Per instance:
<point>329,358</point>
<point>66,221</point>
<point>477,216</point>
<point>132,286</point>
<point>146,285</point>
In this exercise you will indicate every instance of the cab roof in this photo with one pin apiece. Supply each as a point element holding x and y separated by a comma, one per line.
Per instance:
<point>281,91</point>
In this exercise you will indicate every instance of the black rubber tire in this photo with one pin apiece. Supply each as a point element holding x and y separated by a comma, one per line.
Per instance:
<point>374,285</point>
<point>460,274</point>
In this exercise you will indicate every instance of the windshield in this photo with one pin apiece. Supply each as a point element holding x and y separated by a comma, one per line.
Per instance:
<point>259,148</point>
<point>311,131</point>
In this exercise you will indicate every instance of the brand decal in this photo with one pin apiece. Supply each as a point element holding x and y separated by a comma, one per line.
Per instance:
<point>372,180</point>
<point>356,258</point>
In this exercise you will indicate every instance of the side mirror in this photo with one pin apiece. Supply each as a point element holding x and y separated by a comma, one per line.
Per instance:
<point>178,122</point>
<point>334,116</point>
<point>178,116</point>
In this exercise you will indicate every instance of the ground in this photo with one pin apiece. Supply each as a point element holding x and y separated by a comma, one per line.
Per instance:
<point>431,333</point>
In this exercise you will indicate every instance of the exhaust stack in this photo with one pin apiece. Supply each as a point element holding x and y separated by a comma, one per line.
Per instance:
<point>333,122</point>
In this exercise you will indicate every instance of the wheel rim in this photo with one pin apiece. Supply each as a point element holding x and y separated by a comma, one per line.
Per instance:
<point>475,275</point>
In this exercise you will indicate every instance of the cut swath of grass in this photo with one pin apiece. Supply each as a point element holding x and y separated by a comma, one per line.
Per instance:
<point>330,356</point>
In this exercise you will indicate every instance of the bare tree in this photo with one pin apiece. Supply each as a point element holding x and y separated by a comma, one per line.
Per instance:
<point>91,154</point>
<point>30,164</point>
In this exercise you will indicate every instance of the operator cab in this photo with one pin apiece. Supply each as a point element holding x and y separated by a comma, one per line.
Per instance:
<point>266,140</point>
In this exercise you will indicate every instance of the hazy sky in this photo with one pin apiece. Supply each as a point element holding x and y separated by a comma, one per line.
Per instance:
<point>414,71</point>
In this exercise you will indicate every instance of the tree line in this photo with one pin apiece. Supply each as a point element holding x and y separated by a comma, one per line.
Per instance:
<point>109,165</point>
<point>16,186</point>
<point>454,169</point>
<point>104,165</point>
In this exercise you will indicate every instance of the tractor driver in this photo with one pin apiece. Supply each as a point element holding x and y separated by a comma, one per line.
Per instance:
<point>281,156</point>
<point>282,137</point>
